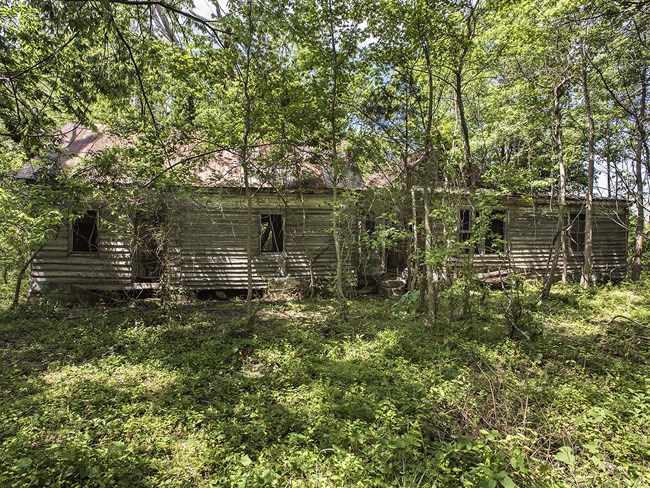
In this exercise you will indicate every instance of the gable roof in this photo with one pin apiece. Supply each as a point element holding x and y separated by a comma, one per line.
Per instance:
<point>220,168</point>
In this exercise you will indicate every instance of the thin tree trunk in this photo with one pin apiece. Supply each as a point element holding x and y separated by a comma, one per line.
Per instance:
<point>431,178</point>
<point>550,276</point>
<point>608,156</point>
<point>591,137</point>
<point>248,107</point>
<point>640,210</point>
<point>640,224</point>
<point>469,172</point>
<point>413,283</point>
<point>340,287</point>
<point>471,178</point>
<point>562,208</point>
<point>249,243</point>
<point>311,257</point>
<point>609,179</point>
<point>432,295</point>
<point>21,275</point>
<point>414,258</point>
<point>559,242</point>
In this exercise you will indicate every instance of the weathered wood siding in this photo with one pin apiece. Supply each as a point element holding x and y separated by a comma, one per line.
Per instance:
<point>205,246</point>
<point>213,235</point>
<point>56,265</point>
<point>530,230</point>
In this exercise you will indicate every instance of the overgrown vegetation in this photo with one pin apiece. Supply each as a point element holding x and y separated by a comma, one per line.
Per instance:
<point>136,396</point>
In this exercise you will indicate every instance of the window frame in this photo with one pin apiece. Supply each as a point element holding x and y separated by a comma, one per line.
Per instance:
<point>480,247</point>
<point>503,237</point>
<point>577,246</point>
<point>280,249</point>
<point>71,235</point>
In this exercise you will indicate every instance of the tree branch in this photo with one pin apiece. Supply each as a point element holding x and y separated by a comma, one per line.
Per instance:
<point>207,23</point>
<point>137,71</point>
<point>13,76</point>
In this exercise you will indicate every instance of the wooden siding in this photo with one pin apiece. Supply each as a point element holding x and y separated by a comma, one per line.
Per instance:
<point>530,231</point>
<point>57,265</point>
<point>213,241</point>
<point>206,247</point>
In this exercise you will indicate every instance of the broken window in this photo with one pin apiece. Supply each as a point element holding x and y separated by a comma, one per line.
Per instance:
<point>464,225</point>
<point>271,233</point>
<point>147,252</point>
<point>577,232</point>
<point>85,233</point>
<point>496,235</point>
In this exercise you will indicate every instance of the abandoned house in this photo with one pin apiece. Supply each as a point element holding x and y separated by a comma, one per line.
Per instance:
<point>520,233</point>
<point>199,242</point>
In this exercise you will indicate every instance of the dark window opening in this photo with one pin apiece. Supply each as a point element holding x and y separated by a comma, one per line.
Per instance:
<point>85,233</point>
<point>496,236</point>
<point>577,232</point>
<point>147,252</point>
<point>494,240</point>
<point>465,225</point>
<point>271,233</point>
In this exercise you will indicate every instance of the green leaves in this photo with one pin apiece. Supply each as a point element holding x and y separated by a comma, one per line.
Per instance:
<point>245,460</point>
<point>566,456</point>
<point>24,463</point>
<point>381,401</point>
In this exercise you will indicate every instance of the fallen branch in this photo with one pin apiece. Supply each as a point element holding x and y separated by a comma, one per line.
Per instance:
<point>615,318</point>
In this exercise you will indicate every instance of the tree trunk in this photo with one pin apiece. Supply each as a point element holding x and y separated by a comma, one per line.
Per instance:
<point>585,279</point>
<point>21,275</point>
<point>431,172</point>
<point>415,266</point>
<point>559,242</point>
<point>640,209</point>
<point>469,180</point>
<point>432,295</point>
<point>640,224</point>
<point>340,287</point>
<point>470,176</point>
<point>249,243</point>
<point>414,257</point>
<point>336,169</point>
<point>248,109</point>
<point>469,173</point>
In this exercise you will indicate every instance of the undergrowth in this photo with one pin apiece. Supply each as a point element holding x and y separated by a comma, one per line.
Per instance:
<point>186,396</point>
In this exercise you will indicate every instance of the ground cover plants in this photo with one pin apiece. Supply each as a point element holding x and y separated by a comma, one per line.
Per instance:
<point>134,395</point>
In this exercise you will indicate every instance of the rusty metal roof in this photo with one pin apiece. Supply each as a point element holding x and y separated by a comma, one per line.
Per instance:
<point>220,168</point>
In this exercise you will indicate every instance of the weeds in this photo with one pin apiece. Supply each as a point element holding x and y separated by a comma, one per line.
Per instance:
<point>139,396</point>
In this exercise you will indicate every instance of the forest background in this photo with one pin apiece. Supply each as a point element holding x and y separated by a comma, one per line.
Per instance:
<point>526,97</point>
<point>531,98</point>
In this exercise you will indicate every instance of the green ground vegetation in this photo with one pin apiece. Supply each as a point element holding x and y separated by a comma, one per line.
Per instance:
<point>134,395</point>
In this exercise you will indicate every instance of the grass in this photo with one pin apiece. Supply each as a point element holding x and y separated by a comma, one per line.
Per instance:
<point>138,396</point>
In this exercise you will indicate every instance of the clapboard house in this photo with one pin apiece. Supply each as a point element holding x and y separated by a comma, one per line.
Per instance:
<point>521,233</point>
<point>507,233</point>
<point>195,242</point>
<point>199,242</point>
